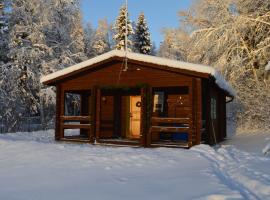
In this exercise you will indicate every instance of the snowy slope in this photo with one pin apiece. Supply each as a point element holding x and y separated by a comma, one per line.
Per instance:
<point>220,81</point>
<point>252,142</point>
<point>35,167</point>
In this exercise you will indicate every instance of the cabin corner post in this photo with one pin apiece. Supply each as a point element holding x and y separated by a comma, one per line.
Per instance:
<point>149,113</point>
<point>191,131</point>
<point>207,112</point>
<point>62,112</point>
<point>145,115</point>
<point>58,113</point>
<point>93,107</point>
<point>84,112</point>
<point>209,124</point>
<point>224,106</point>
<point>97,114</point>
<point>198,110</point>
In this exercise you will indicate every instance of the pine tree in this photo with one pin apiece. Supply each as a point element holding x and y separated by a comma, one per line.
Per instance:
<point>142,36</point>
<point>120,29</point>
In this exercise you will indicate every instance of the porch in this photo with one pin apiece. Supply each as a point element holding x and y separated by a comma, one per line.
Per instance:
<point>140,115</point>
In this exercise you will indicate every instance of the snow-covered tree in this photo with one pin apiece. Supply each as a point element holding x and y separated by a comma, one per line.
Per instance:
<point>142,43</point>
<point>27,52</point>
<point>88,40</point>
<point>4,6</point>
<point>43,36</point>
<point>65,35</point>
<point>171,46</point>
<point>101,41</point>
<point>2,16</point>
<point>123,28</point>
<point>10,102</point>
<point>234,37</point>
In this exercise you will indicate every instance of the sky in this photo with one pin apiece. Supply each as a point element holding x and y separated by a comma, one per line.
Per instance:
<point>159,13</point>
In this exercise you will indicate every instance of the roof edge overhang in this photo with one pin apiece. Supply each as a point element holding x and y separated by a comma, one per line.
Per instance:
<point>195,70</point>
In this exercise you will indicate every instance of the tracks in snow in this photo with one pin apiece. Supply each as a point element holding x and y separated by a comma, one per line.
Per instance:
<point>233,168</point>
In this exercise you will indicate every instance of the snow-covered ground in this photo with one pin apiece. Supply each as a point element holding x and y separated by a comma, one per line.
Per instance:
<point>34,167</point>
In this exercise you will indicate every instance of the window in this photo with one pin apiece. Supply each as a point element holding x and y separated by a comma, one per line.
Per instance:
<point>72,104</point>
<point>158,102</point>
<point>213,108</point>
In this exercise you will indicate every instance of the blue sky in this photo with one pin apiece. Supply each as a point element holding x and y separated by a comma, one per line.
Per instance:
<point>159,13</point>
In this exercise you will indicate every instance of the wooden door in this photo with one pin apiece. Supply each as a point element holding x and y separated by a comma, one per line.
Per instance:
<point>135,116</point>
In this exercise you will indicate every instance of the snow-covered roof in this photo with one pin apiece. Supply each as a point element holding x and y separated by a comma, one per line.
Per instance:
<point>220,81</point>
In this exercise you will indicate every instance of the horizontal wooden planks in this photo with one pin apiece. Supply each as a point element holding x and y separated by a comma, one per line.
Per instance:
<point>76,118</point>
<point>153,77</point>
<point>169,129</point>
<point>76,126</point>
<point>170,120</point>
<point>170,144</point>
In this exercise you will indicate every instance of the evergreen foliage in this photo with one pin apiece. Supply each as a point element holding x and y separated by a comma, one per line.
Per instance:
<point>120,30</point>
<point>142,43</point>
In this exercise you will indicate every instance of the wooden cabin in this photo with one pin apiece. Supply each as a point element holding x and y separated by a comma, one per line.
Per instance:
<point>133,99</point>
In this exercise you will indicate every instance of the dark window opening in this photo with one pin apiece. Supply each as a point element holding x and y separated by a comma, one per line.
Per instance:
<point>77,119</point>
<point>72,104</point>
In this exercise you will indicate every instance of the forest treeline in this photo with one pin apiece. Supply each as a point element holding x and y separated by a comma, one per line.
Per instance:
<point>38,37</point>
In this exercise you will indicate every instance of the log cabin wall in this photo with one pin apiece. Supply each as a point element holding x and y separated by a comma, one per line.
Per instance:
<point>107,117</point>
<point>198,102</point>
<point>58,113</point>
<point>198,111</point>
<point>214,113</point>
<point>111,74</point>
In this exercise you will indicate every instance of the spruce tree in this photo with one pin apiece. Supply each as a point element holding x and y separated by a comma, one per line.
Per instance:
<point>120,29</point>
<point>142,36</point>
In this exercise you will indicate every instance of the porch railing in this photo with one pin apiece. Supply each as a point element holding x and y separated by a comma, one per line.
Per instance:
<point>76,122</point>
<point>171,126</point>
<point>82,122</point>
